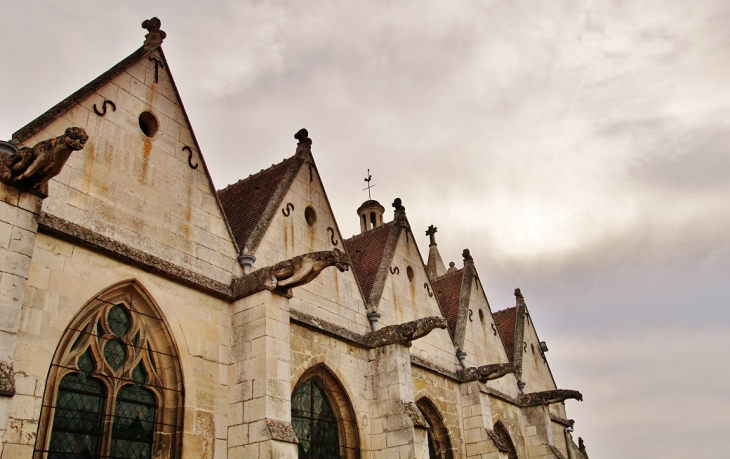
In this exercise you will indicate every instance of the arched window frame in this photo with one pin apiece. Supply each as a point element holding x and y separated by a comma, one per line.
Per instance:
<point>341,406</point>
<point>506,439</point>
<point>438,433</point>
<point>155,349</point>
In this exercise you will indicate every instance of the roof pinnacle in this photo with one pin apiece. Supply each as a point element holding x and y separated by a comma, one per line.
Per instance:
<point>154,37</point>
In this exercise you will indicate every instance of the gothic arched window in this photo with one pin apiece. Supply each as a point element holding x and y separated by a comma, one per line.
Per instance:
<point>323,418</point>
<point>506,441</point>
<point>439,444</point>
<point>114,389</point>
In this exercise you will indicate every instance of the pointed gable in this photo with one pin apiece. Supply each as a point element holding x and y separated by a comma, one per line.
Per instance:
<point>144,185</point>
<point>506,323</point>
<point>366,252</point>
<point>448,290</point>
<point>249,204</point>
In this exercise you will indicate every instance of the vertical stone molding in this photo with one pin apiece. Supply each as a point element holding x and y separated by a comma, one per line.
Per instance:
<point>396,419</point>
<point>260,399</point>
<point>18,226</point>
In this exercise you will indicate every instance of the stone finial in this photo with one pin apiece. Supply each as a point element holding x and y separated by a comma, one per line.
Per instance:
<point>154,35</point>
<point>467,255</point>
<point>431,233</point>
<point>398,206</point>
<point>452,267</point>
<point>518,294</point>
<point>304,144</point>
<point>32,168</point>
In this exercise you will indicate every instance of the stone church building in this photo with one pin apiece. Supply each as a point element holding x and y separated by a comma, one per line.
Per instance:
<point>146,314</point>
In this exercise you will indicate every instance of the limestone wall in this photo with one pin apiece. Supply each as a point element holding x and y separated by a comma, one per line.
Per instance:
<point>140,190</point>
<point>63,278</point>
<point>333,296</point>
<point>404,300</point>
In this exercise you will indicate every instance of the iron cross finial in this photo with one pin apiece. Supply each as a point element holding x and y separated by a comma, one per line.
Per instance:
<point>370,177</point>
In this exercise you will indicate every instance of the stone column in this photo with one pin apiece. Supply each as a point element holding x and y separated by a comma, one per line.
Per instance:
<point>18,226</point>
<point>538,432</point>
<point>478,422</point>
<point>260,398</point>
<point>398,426</point>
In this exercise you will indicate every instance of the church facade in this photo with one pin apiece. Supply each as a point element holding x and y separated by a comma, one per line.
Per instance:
<point>146,314</point>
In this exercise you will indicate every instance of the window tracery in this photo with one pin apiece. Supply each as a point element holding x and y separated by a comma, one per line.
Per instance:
<point>114,388</point>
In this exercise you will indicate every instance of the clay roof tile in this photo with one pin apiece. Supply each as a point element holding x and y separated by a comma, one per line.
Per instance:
<point>505,321</point>
<point>448,292</point>
<point>366,252</point>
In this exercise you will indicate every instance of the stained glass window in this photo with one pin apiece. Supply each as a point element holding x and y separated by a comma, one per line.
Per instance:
<point>134,424</point>
<point>88,419</point>
<point>314,423</point>
<point>77,423</point>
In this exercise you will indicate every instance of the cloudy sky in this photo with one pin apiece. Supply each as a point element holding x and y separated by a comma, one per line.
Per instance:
<point>580,149</point>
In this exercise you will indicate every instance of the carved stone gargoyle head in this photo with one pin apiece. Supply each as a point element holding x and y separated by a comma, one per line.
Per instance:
<point>405,333</point>
<point>291,273</point>
<point>32,168</point>
<point>549,397</point>
<point>487,372</point>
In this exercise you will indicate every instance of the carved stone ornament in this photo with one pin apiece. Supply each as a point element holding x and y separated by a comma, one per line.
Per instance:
<point>404,333</point>
<point>487,372</point>
<point>291,273</point>
<point>154,36</point>
<point>419,420</point>
<point>32,168</point>
<point>304,144</point>
<point>7,379</point>
<point>497,441</point>
<point>549,397</point>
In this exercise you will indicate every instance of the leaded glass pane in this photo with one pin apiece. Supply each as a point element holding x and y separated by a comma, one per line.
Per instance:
<point>86,362</point>
<point>118,320</point>
<point>302,401</point>
<point>139,375</point>
<point>115,353</point>
<point>303,429</point>
<point>134,424</point>
<point>77,420</point>
<point>314,423</point>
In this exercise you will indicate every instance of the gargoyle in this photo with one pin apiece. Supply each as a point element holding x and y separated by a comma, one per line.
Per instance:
<point>487,372</point>
<point>32,168</point>
<point>404,333</point>
<point>548,397</point>
<point>291,273</point>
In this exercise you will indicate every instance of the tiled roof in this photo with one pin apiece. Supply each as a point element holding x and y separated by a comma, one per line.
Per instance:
<point>448,291</point>
<point>366,252</point>
<point>505,321</point>
<point>245,201</point>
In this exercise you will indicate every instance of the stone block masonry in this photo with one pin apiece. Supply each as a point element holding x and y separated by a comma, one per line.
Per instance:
<point>18,226</point>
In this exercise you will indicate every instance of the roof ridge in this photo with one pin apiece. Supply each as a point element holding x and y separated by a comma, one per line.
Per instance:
<point>255,175</point>
<point>436,279</point>
<point>368,232</point>
<point>504,310</point>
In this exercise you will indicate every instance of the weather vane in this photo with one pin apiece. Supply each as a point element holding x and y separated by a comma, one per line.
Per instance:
<point>370,177</point>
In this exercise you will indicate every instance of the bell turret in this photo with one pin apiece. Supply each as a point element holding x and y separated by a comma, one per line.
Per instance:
<point>371,215</point>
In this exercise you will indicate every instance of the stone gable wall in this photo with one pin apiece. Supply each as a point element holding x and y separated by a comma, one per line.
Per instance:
<point>403,301</point>
<point>333,296</point>
<point>139,190</point>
